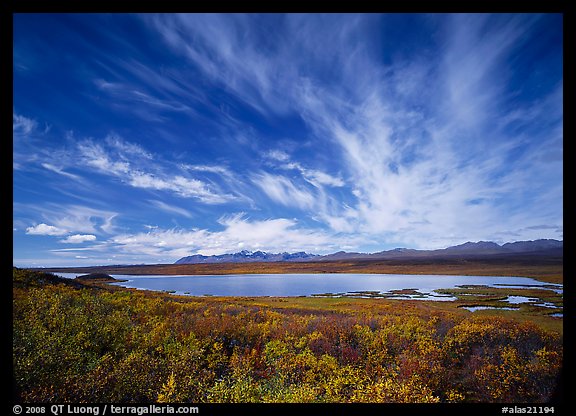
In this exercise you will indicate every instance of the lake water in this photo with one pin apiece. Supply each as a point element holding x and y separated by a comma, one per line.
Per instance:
<point>486,308</point>
<point>342,284</point>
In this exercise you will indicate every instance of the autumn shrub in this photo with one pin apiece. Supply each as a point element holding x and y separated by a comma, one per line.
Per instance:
<point>79,344</point>
<point>498,360</point>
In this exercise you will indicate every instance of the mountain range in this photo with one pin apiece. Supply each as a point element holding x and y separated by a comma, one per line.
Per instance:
<point>246,256</point>
<point>480,248</point>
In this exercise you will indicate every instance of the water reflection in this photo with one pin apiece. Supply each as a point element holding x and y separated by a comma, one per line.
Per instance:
<point>483,308</point>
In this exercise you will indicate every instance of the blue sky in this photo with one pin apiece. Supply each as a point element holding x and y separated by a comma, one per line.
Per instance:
<point>146,138</point>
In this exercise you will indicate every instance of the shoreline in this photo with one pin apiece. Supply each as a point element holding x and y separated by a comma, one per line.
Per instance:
<point>545,269</point>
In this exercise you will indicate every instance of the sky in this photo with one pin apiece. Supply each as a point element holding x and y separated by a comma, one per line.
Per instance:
<point>146,138</point>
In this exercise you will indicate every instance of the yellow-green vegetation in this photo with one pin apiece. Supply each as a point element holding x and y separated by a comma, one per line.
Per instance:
<point>77,343</point>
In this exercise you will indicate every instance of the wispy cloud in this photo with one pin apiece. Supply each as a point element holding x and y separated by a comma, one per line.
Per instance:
<point>282,190</point>
<point>25,133</point>
<point>123,162</point>
<point>60,171</point>
<point>69,219</point>
<point>315,177</point>
<point>223,48</point>
<point>170,208</point>
<point>131,99</point>
<point>22,126</point>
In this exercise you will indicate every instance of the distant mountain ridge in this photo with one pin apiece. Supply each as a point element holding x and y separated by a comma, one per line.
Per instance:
<point>246,256</point>
<point>480,248</point>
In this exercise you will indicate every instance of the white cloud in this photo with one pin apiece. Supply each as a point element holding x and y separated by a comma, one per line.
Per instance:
<point>278,155</point>
<point>126,149</point>
<point>45,229</point>
<point>273,235</point>
<point>78,238</point>
<point>94,155</point>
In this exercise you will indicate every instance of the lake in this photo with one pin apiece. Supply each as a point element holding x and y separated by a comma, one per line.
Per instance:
<point>342,284</point>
